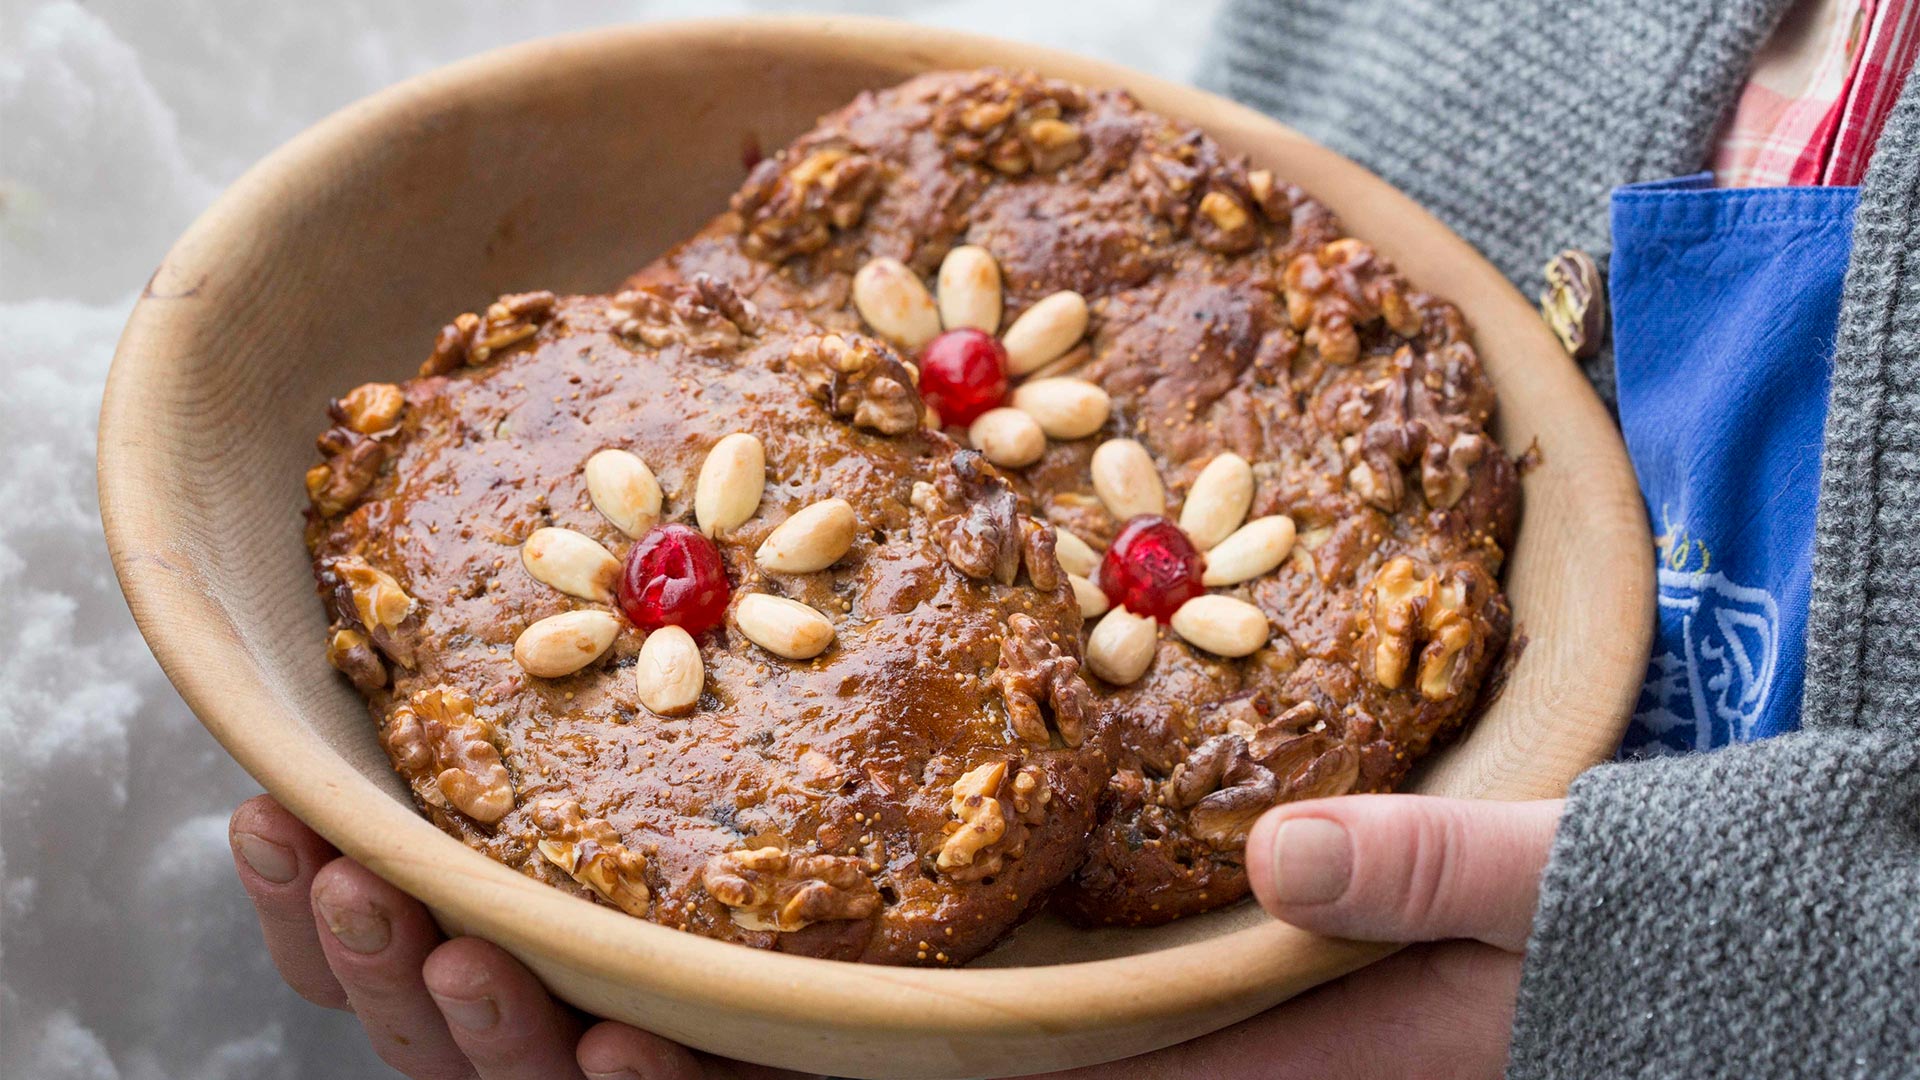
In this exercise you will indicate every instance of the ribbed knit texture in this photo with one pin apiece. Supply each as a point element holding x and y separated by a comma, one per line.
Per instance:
<point>1753,912</point>
<point>1863,628</point>
<point>1509,120</point>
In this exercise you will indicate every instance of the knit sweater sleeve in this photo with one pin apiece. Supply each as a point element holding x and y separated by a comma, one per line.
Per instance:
<point>1756,911</point>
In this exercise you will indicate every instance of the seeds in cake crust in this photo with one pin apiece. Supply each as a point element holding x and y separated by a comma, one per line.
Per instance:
<point>572,562</point>
<point>1076,555</point>
<point>1065,408</point>
<point>783,627</point>
<point>1222,625</point>
<point>1121,646</point>
<point>892,300</point>
<point>669,672</point>
<point>731,481</point>
<point>1218,501</point>
<point>1044,331</point>
<point>1253,549</point>
<point>563,644</point>
<point>969,288</point>
<point>1093,602</point>
<point>1009,438</point>
<point>1126,481</point>
<point>624,490</point>
<point>812,539</point>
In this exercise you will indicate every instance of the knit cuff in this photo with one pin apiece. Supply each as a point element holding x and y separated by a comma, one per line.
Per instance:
<point>1750,912</point>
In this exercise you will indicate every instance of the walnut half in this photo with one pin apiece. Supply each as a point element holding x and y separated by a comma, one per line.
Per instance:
<point>860,380</point>
<point>1436,617</point>
<point>590,851</point>
<point>439,743</point>
<point>1334,291</point>
<point>992,814</point>
<point>1037,678</point>
<point>770,888</point>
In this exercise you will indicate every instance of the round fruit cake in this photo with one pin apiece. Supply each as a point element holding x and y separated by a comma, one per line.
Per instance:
<point>690,613</point>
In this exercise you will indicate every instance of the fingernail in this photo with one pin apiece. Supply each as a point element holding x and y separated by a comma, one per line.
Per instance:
<point>622,1074</point>
<point>272,861</point>
<point>473,1014</point>
<point>364,930</point>
<point>1312,861</point>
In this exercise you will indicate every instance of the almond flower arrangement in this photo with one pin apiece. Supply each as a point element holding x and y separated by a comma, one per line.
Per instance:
<point>1012,396</point>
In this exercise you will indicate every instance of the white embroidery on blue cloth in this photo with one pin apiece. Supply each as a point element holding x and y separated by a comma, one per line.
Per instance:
<point>1715,687</point>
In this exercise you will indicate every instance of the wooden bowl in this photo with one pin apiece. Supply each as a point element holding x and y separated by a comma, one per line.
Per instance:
<point>565,164</point>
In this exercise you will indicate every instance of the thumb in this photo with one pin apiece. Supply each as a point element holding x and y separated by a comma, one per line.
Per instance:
<point>1404,867</point>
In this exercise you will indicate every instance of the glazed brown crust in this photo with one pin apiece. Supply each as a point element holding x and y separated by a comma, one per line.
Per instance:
<point>1228,313</point>
<point>802,805</point>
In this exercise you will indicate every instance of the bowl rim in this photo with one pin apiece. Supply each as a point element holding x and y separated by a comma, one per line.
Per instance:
<point>210,665</point>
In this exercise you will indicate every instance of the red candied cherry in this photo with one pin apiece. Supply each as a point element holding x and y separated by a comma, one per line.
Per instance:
<point>1151,568</point>
<point>674,577</point>
<point>963,373</point>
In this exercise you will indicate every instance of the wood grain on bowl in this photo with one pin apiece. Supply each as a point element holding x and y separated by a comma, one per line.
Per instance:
<point>563,164</point>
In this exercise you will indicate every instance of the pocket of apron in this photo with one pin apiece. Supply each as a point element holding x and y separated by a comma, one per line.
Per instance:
<point>1725,303</point>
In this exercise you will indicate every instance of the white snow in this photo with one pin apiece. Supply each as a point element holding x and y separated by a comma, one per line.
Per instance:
<point>127,951</point>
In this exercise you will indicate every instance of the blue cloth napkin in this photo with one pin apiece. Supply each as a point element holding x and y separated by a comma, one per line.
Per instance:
<point>1725,303</point>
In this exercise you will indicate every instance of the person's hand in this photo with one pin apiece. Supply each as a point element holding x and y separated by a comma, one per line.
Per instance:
<point>1463,875</point>
<point>432,1008</point>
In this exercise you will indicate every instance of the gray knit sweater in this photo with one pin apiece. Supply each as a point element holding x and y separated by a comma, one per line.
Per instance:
<point>1752,912</point>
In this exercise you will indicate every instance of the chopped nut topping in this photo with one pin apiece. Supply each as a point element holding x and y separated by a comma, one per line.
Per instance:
<point>769,888</point>
<point>981,820</point>
<point>369,408</point>
<point>1446,468</point>
<point>1037,678</point>
<point>992,813</point>
<point>353,462</point>
<point>1223,789</point>
<point>378,601</point>
<point>985,540</point>
<point>1012,124</point>
<point>590,851</point>
<point>351,652</point>
<point>473,340</point>
<point>437,737</point>
<point>790,207</point>
<point>861,380</point>
<point>705,315</point>
<point>1343,286</point>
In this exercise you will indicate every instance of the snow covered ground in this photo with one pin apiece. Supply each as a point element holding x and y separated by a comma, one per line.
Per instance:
<point>126,947</point>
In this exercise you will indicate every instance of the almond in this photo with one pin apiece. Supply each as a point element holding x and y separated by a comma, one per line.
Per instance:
<point>1064,408</point>
<point>783,627</point>
<point>1126,481</point>
<point>669,672</point>
<point>563,644</point>
<point>1009,438</point>
<point>1221,625</point>
<point>969,287</point>
<point>1076,555</point>
<point>812,539</point>
<point>1045,331</point>
<point>1218,501</point>
<point>731,481</point>
<point>892,300</point>
<point>572,562</point>
<point>624,491</point>
<point>1253,549</point>
<point>1121,646</point>
<point>1092,601</point>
